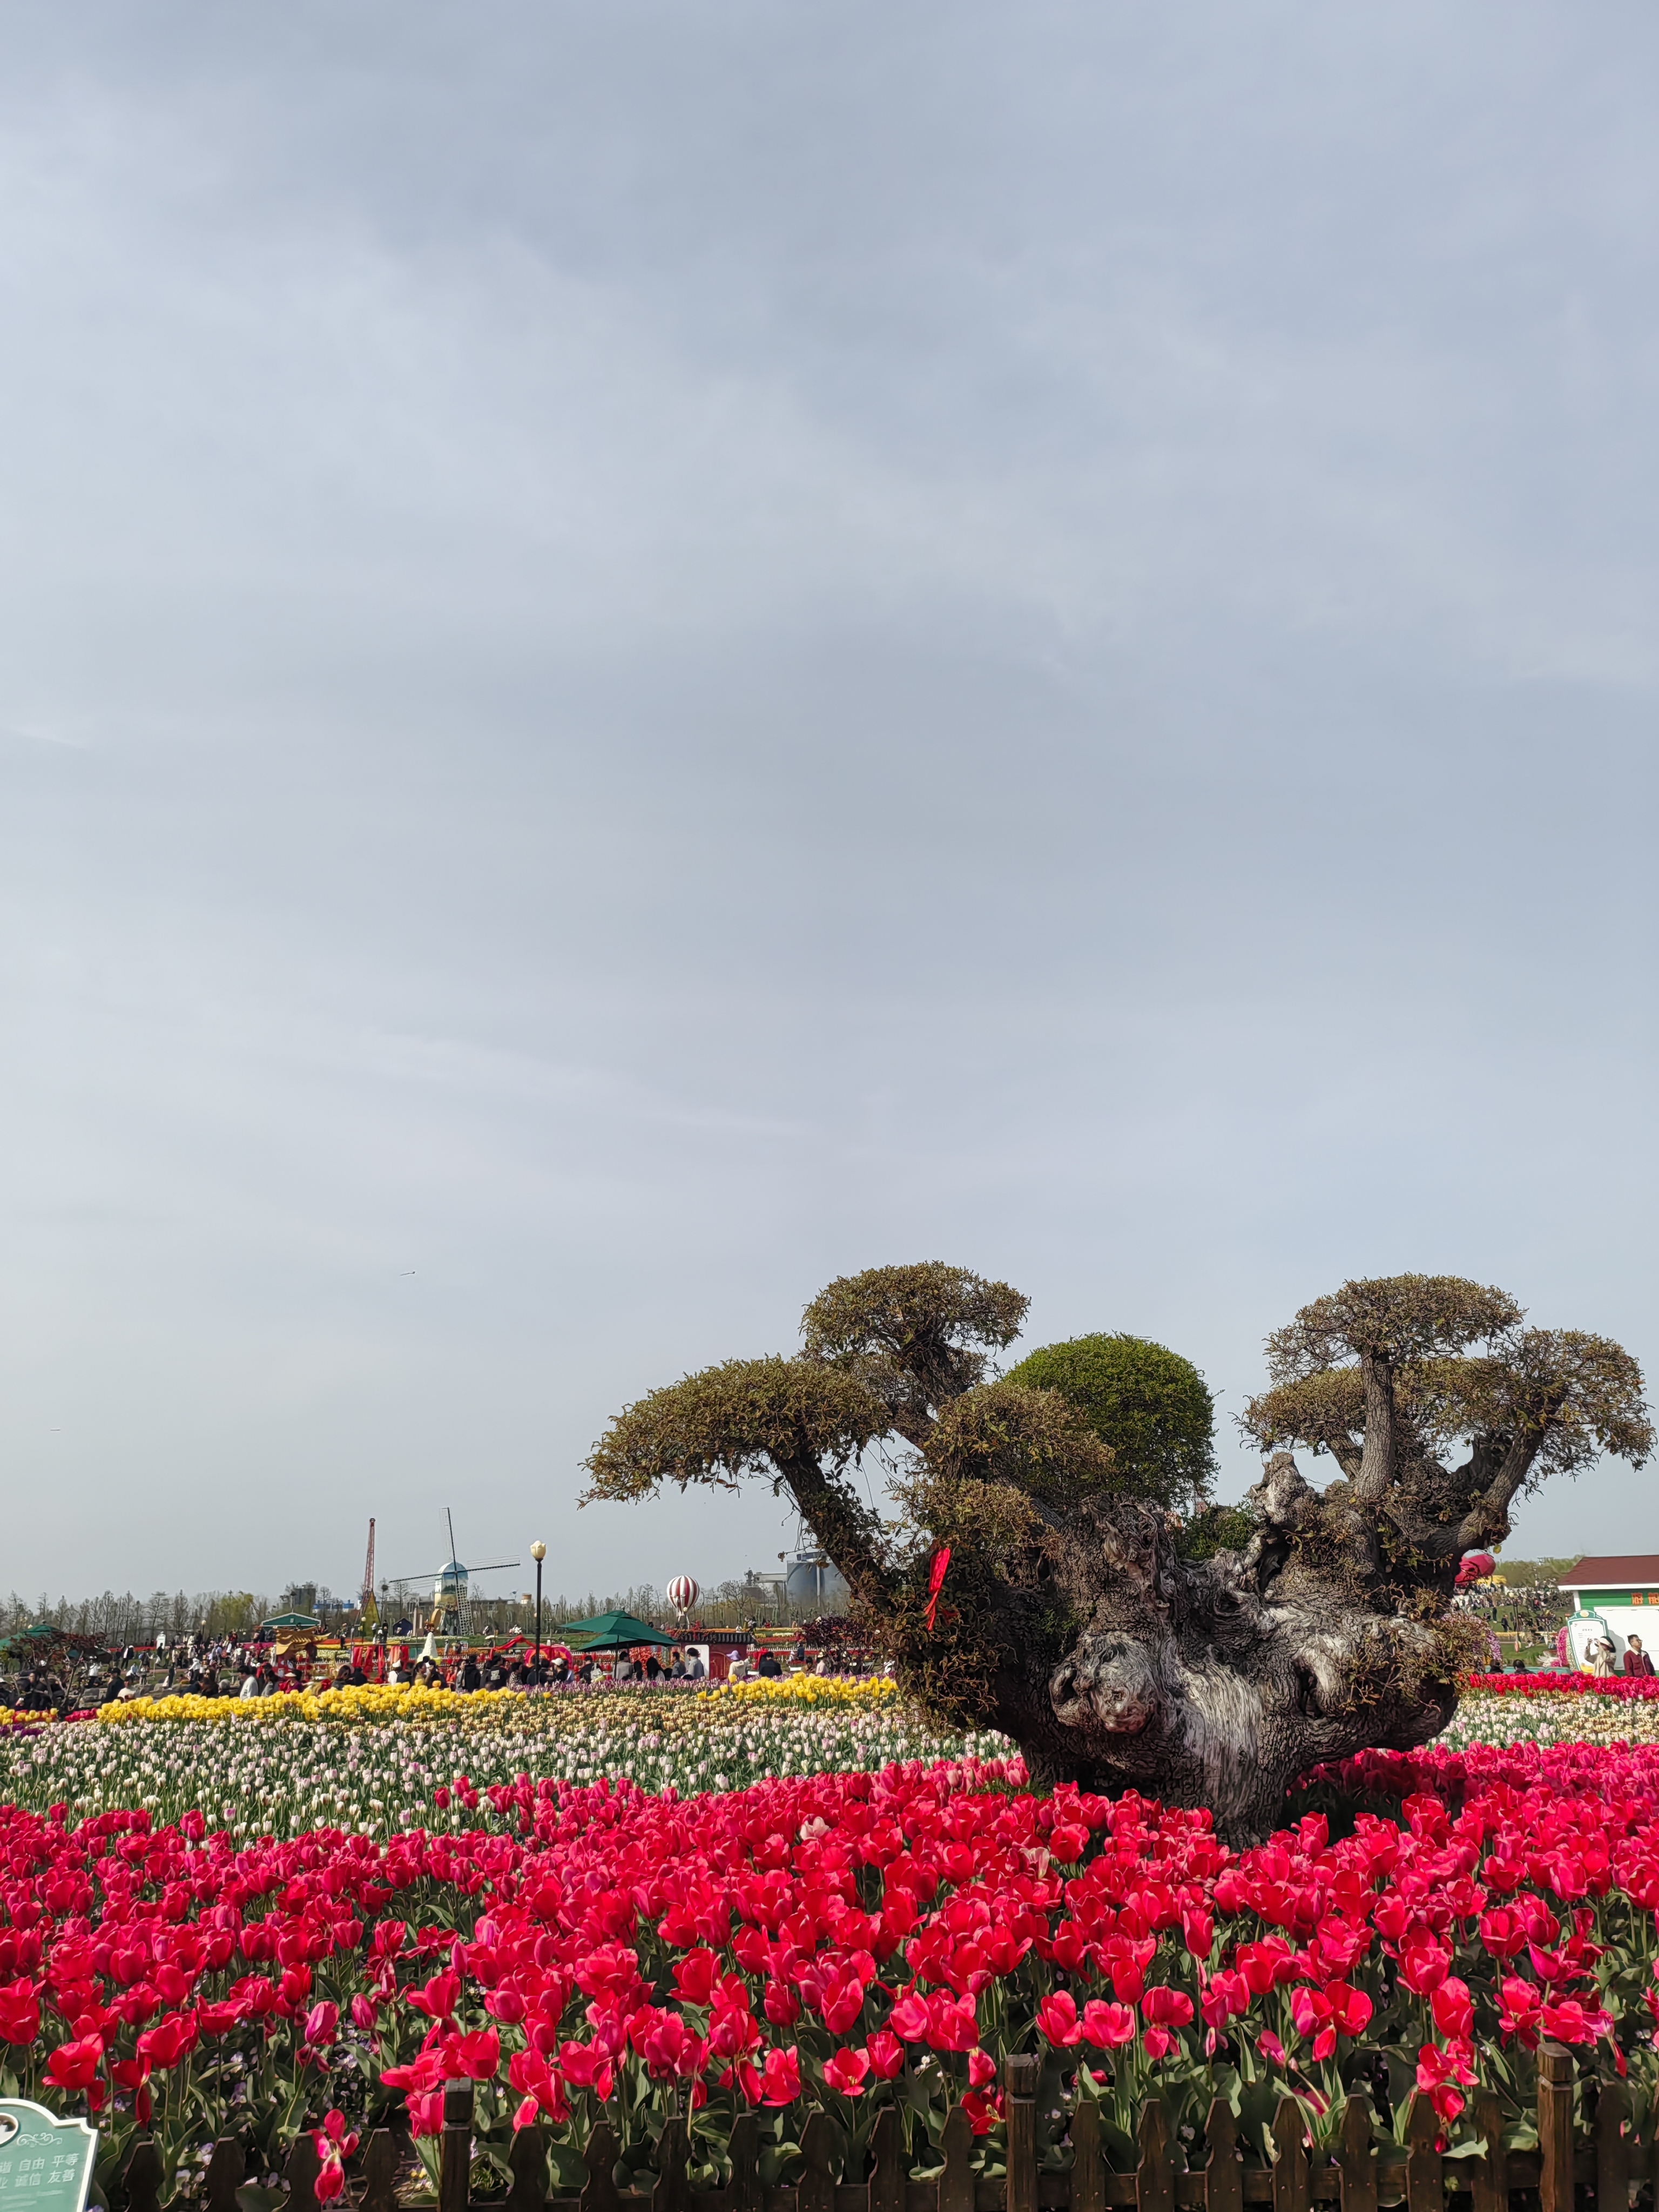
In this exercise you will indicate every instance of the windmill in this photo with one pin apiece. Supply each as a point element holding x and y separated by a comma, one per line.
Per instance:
<point>450,1585</point>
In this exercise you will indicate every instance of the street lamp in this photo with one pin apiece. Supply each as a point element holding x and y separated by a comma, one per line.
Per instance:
<point>539,1552</point>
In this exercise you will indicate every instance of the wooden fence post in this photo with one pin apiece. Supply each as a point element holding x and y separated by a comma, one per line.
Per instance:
<point>1224,2177</point>
<point>1555,2071</point>
<point>528,2161</point>
<point>299,2175</point>
<point>956,2184</point>
<point>377,2189</point>
<point>1020,2077</point>
<point>1611,2149</point>
<point>1356,2158</point>
<point>747,2193</point>
<point>672,2190</point>
<point>226,2171</point>
<point>600,2159</point>
<point>1088,2161</point>
<point>1489,2177</point>
<point>143,2176</point>
<point>1155,2175</point>
<point>817,2191</point>
<point>887,2162</point>
<point>455,2147</point>
<point>1291,2193</point>
<point>1426,2190</point>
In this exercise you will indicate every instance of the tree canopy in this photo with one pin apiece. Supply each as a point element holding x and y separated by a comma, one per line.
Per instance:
<point>1390,1376</point>
<point>1208,1657</point>
<point>1151,1406</point>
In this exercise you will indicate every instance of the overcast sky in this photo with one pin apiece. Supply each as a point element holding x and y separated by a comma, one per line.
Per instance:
<point>652,652</point>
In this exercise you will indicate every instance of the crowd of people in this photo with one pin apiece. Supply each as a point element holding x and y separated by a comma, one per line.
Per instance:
<point>1533,1611</point>
<point>34,1690</point>
<point>209,1667</point>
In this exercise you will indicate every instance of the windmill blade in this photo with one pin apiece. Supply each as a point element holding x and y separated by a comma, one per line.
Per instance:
<point>494,1566</point>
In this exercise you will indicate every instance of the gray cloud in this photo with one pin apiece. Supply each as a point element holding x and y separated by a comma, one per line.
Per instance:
<point>647,654</point>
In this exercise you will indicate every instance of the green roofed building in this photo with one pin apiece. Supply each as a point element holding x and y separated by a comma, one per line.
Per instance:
<point>1617,1595</point>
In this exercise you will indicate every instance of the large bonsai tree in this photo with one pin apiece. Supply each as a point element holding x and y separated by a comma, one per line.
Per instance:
<point>1202,1656</point>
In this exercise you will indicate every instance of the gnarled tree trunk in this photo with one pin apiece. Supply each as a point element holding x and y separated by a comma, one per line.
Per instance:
<point>1201,1682</point>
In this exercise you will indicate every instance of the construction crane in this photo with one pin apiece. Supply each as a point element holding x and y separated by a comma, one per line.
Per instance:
<point>371,1617</point>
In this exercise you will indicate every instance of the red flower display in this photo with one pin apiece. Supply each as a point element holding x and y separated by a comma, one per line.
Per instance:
<point>806,1941</point>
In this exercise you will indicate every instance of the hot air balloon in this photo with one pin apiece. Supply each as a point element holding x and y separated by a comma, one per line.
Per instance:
<point>682,1595</point>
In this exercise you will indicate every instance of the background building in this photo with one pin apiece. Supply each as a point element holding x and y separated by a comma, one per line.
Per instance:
<point>1617,1594</point>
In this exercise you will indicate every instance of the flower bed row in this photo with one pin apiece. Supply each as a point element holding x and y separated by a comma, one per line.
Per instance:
<point>1626,1689</point>
<point>370,1760</point>
<point>1544,1709</point>
<point>843,1942</point>
<point>377,1703</point>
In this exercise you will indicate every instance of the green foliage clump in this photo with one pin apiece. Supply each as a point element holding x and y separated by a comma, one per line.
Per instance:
<point>1217,1528</point>
<point>1151,1406</point>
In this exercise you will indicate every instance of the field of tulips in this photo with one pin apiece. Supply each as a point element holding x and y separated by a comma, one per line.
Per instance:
<point>370,1760</point>
<point>1505,1709</point>
<point>840,1942</point>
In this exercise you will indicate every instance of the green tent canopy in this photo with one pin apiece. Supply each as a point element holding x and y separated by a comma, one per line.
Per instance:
<point>608,1632</point>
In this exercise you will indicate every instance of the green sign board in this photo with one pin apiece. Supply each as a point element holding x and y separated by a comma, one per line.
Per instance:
<point>45,2163</point>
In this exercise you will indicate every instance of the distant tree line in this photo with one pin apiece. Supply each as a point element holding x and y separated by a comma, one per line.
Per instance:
<point>1535,1574</point>
<point>130,1620</point>
<point>117,1621</point>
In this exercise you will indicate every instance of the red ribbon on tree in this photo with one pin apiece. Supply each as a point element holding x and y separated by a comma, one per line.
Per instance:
<point>936,1584</point>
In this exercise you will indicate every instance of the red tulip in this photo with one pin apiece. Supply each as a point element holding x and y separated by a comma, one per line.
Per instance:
<point>1437,2073</point>
<point>846,2070</point>
<point>75,2065</point>
<point>173,2038</point>
<point>781,2081</point>
<point>1227,1995</point>
<point>886,2055</point>
<point>1453,2007</point>
<point>695,1976</point>
<point>1571,2021</point>
<point>20,2012</point>
<point>1108,2027</point>
<point>1167,2008</point>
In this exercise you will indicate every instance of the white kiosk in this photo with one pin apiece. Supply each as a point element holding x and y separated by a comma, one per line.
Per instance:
<point>1616,1596</point>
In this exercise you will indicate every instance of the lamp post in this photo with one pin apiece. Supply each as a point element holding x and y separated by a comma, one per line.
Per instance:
<point>539,1552</point>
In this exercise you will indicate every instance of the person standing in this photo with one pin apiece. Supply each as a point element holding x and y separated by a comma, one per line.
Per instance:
<point>1637,1661</point>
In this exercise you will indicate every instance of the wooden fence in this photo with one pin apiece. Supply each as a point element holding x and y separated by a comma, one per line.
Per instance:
<point>1605,2165</point>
